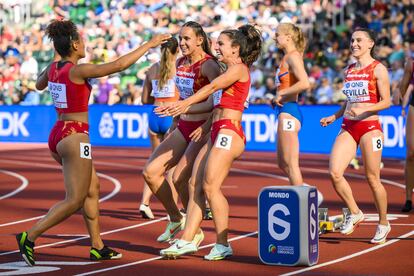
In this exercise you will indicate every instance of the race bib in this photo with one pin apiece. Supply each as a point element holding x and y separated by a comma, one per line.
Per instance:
<point>85,151</point>
<point>185,86</point>
<point>356,91</point>
<point>217,97</point>
<point>377,143</point>
<point>288,124</point>
<point>168,91</point>
<point>58,93</point>
<point>223,141</point>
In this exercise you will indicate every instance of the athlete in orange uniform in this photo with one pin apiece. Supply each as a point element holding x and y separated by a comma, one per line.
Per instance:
<point>195,69</point>
<point>291,80</point>
<point>238,49</point>
<point>69,139</point>
<point>160,90</point>
<point>367,89</point>
<point>408,79</point>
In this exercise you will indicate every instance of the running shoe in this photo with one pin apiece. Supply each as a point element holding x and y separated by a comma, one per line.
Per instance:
<point>198,238</point>
<point>407,206</point>
<point>172,229</point>
<point>105,253</point>
<point>208,215</point>
<point>179,248</point>
<point>381,233</point>
<point>219,252</point>
<point>351,222</point>
<point>354,164</point>
<point>26,248</point>
<point>320,198</point>
<point>146,211</point>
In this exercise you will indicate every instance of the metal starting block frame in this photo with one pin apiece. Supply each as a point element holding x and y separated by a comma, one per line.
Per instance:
<point>330,224</point>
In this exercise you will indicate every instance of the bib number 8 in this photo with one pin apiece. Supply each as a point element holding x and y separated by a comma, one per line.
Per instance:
<point>223,141</point>
<point>85,151</point>
<point>377,143</point>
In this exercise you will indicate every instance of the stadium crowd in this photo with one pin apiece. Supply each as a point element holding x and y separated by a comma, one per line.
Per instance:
<point>113,27</point>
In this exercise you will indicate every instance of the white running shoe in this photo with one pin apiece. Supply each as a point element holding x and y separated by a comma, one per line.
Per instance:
<point>219,252</point>
<point>351,222</point>
<point>146,211</point>
<point>172,229</point>
<point>381,233</point>
<point>178,248</point>
<point>198,238</point>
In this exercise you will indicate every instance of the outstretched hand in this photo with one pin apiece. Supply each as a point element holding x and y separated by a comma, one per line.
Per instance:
<point>175,109</point>
<point>158,39</point>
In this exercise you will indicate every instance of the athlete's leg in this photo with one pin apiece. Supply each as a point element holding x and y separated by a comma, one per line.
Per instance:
<point>165,156</point>
<point>155,140</point>
<point>409,160</point>
<point>183,170</point>
<point>196,203</point>
<point>288,147</point>
<point>77,177</point>
<point>342,153</point>
<point>91,211</point>
<point>218,165</point>
<point>371,149</point>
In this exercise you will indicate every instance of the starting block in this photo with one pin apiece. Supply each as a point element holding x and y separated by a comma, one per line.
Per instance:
<point>330,224</point>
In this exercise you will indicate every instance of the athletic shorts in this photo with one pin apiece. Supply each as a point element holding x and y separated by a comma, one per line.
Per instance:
<point>291,108</point>
<point>226,124</point>
<point>63,129</point>
<point>159,125</point>
<point>187,127</point>
<point>357,129</point>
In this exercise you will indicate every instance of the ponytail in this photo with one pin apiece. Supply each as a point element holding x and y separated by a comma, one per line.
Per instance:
<point>167,49</point>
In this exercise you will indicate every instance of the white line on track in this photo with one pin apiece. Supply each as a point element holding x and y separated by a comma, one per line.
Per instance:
<point>157,258</point>
<point>87,237</point>
<point>351,255</point>
<point>115,181</point>
<point>23,186</point>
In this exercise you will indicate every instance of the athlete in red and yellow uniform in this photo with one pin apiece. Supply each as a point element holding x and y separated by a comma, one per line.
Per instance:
<point>367,89</point>
<point>238,49</point>
<point>69,138</point>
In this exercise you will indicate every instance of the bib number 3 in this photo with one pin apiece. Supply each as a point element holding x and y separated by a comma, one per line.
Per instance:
<point>85,151</point>
<point>377,143</point>
<point>223,141</point>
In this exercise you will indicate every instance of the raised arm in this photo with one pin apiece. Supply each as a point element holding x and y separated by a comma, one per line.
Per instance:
<point>408,72</point>
<point>42,79</point>
<point>85,71</point>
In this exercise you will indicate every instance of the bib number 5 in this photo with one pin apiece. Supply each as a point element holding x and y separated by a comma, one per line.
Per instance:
<point>85,151</point>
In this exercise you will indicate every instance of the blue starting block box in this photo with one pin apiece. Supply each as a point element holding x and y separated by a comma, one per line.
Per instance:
<point>288,225</point>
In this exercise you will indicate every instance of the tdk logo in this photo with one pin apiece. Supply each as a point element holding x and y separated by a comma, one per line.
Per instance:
<point>12,124</point>
<point>123,124</point>
<point>278,195</point>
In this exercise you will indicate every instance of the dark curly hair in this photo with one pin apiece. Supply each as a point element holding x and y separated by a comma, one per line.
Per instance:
<point>62,33</point>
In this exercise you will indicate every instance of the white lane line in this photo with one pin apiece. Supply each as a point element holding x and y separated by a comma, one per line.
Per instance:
<point>23,186</point>
<point>115,182</point>
<point>158,257</point>
<point>87,237</point>
<point>351,255</point>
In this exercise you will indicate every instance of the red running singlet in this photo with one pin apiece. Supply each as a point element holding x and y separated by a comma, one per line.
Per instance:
<point>68,97</point>
<point>233,97</point>
<point>360,85</point>
<point>189,78</point>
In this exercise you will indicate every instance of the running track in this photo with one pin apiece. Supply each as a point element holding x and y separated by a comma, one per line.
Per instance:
<point>31,182</point>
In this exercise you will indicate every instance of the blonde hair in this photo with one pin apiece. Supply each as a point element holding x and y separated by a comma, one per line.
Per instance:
<point>168,49</point>
<point>297,35</point>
